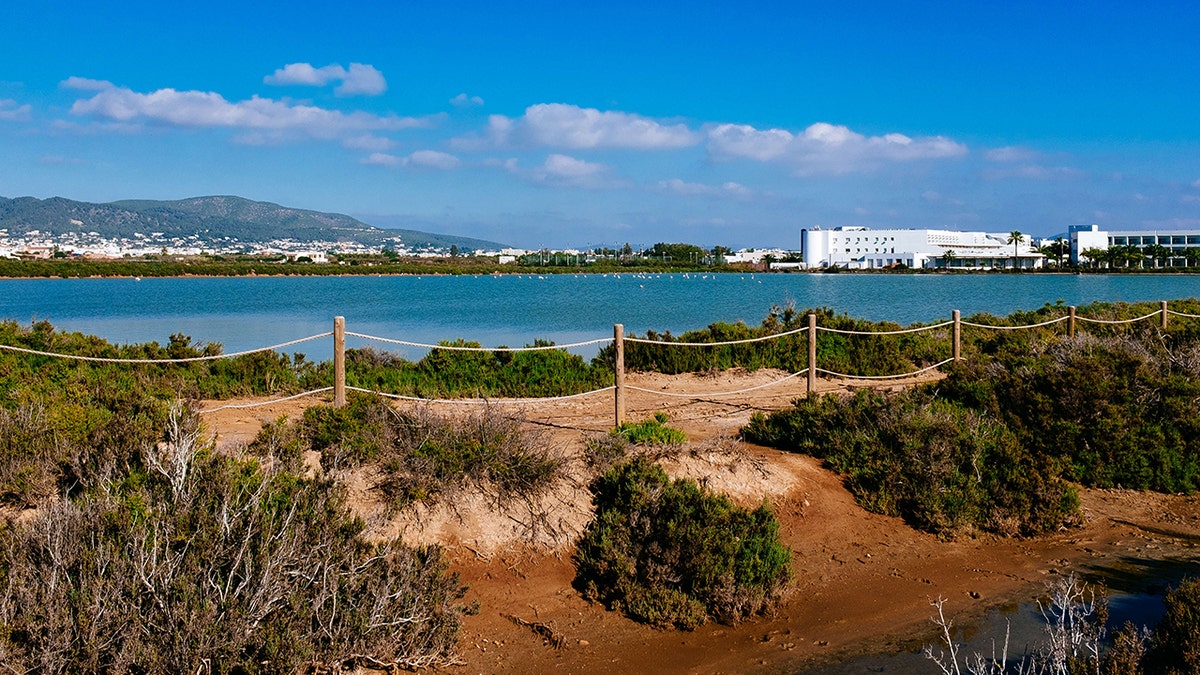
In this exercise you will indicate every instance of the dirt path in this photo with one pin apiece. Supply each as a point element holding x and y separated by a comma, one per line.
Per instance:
<point>863,581</point>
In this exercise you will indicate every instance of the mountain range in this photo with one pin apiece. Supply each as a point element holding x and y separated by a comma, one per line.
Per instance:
<point>210,219</point>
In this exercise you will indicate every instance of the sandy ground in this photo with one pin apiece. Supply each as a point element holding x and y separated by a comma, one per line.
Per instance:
<point>863,582</point>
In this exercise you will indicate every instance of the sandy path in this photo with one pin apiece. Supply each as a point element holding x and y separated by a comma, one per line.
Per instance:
<point>863,581</point>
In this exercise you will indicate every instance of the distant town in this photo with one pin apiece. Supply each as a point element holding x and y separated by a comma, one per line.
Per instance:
<point>846,247</point>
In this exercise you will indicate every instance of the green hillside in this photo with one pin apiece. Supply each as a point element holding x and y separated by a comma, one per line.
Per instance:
<point>217,218</point>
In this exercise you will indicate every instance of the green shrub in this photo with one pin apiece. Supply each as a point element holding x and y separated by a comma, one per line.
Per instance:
<point>651,432</point>
<point>422,455</point>
<point>669,553</point>
<point>942,467</point>
<point>1175,646</point>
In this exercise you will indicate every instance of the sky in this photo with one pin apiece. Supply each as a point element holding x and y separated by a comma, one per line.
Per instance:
<point>552,124</point>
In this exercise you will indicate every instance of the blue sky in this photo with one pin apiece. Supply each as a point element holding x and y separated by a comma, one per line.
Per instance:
<point>557,124</point>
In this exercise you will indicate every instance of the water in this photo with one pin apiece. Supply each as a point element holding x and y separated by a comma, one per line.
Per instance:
<point>250,312</point>
<point>1134,588</point>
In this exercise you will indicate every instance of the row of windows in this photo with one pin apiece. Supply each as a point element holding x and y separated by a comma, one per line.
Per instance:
<point>1163,240</point>
<point>859,250</point>
<point>863,240</point>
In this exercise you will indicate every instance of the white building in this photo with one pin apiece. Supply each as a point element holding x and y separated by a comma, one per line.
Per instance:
<point>864,248</point>
<point>1084,237</point>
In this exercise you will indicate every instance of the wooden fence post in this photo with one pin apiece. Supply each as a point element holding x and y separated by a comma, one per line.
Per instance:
<point>1071,321</point>
<point>957,336</point>
<point>619,371</point>
<point>812,353</point>
<point>1164,315</point>
<point>339,361</point>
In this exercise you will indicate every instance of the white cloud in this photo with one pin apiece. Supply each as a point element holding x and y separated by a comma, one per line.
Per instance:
<point>1010,153</point>
<point>559,125</point>
<point>432,159</point>
<point>362,79</point>
<point>11,112</point>
<point>368,143</point>
<point>570,169</point>
<point>86,84</point>
<point>424,159</point>
<point>825,148</point>
<point>381,159</point>
<point>358,79</point>
<point>680,187</point>
<point>1032,171</point>
<point>464,101</point>
<point>264,120</point>
<point>1196,183</point>
<point>560,170</point>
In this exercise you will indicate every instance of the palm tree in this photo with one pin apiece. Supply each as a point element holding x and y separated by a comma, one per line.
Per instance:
<point>1015,237</point>
<point>1094,256</point>
<point>948,257</point>
<point>1160,254</point>
<point>1192,255</point>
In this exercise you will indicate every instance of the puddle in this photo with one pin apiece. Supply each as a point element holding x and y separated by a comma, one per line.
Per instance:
<point>1135,593</point>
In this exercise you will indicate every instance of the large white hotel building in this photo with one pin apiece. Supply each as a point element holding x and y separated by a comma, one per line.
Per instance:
<point>865,248</point>
<point>1084,237</point>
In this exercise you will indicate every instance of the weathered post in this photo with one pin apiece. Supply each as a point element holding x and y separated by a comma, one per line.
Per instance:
<point>1071,321</point>
<point>812,353</point>
<point>619,371</point>
<point>1163,325</point>
<point>339,361</point>
<point>957,336</point>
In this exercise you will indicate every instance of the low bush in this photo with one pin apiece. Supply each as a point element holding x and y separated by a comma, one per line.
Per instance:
<point>421,455</point>
<point>1122,410</point>
<point>182,558</point>
<point>942,467</point>
<point>653,431</point>
<point>670,553</point>
<point>1175,644</point>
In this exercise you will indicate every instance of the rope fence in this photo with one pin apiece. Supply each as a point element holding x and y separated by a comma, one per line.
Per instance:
<point>618,340</point>
<point>190,359</point>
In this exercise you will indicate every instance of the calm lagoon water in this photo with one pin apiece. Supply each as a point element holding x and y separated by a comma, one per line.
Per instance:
<point>245,313</point>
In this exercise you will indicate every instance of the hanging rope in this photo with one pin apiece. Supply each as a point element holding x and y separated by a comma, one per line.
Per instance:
<point>1118,321</point>
<point>486,401</point>
<point>717,344</point>
<point>718,393</point>
<point>884,377</point>
<point>1032,325</point>
<point>191,359</point>
<point>887,332</point>
<point>241,406</point>
<point>458,348</point>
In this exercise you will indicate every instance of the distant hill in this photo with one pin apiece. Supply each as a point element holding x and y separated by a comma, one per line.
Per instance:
<point>211,219</point>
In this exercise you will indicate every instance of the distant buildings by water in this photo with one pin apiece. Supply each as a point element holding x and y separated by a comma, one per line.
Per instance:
<point>1167,248</point>
<point>865,248</point>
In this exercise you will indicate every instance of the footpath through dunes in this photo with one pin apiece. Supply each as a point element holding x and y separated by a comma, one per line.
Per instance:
<point>863,582</point>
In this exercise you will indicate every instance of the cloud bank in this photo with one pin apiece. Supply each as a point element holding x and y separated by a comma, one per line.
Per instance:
<point>266,119</point>
<point>825,148</point>
<point>559,125</point>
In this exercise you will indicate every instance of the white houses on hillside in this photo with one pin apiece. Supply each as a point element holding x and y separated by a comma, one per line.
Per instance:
<point>865,248</point>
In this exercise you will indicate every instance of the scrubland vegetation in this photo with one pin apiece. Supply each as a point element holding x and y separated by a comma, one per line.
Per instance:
<point>998,443</point>
<point>147,551</point>
<point>128,543</point>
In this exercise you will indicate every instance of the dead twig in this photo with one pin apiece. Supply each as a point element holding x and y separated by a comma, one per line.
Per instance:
<point>544,629</point>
